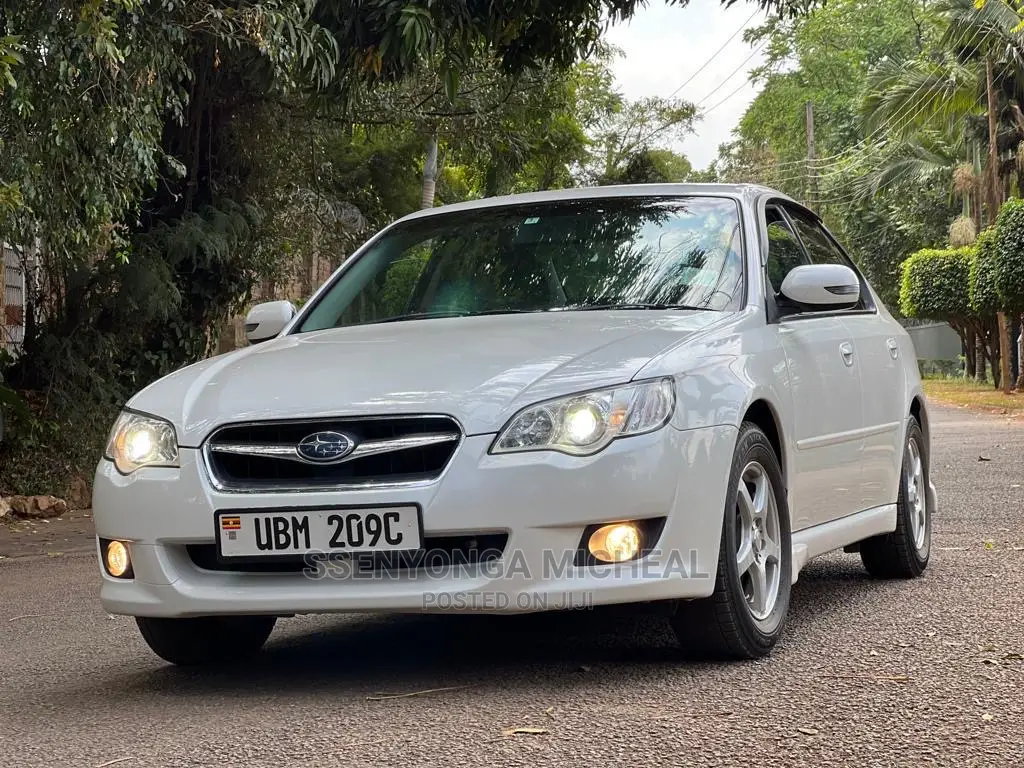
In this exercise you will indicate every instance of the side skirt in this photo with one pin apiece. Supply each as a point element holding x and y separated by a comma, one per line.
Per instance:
<point>836,534</point>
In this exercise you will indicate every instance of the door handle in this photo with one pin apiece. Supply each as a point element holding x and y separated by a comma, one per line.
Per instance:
<point>846,349</point>
<point>894,348</point>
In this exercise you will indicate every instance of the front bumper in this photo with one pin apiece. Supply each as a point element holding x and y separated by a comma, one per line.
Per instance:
<point>542,500</point>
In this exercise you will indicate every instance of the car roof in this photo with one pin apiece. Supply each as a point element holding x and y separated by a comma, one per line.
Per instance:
<point>745,192</point>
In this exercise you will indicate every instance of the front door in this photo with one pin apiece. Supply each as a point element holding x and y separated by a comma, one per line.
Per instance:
<point>825,477</point>
<point>827,418</point>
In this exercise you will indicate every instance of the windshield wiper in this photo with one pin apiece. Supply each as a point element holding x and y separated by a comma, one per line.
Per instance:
<point>450,313</point>
<point>419,316</point>
<point>628,305</point>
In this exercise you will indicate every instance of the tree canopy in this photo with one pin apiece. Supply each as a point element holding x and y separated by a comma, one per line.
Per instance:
<point>160,161</point>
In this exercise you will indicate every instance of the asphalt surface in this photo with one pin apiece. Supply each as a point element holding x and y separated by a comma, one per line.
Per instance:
<point>929,672</point>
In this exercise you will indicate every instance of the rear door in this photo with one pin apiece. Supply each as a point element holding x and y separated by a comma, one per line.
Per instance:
<point>879,354</point>
<point>825,387</point>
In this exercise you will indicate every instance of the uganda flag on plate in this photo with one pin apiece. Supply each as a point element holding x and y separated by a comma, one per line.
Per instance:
<point>228,523</point>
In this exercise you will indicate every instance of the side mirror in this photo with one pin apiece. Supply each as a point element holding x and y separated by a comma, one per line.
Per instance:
<point>266,320</point>
<point>818,287</point>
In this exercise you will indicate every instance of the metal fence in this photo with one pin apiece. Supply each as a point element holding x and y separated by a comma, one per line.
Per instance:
<point>12,302</point>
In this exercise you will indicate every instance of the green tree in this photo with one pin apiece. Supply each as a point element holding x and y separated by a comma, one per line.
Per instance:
<point>142,145</point>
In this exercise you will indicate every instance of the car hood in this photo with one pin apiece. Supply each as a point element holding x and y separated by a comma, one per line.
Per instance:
<point>480,370</point>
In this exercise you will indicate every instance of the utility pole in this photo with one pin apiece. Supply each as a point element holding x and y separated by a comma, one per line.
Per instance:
<point>812,183</point>
<point>995,199</point>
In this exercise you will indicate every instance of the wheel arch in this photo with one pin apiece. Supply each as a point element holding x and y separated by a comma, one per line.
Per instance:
<point>762,413</point>
<point>920,412</point>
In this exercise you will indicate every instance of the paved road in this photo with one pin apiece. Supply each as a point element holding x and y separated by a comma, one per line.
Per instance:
<point>869,673</point>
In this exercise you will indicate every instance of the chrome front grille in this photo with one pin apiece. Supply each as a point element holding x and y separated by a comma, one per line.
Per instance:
<point>369,451</point>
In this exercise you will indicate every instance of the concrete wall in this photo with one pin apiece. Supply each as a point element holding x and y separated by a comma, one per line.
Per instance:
<point>935,341</point>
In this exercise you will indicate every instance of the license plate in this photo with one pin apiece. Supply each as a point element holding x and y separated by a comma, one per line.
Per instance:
<point>333,531</point>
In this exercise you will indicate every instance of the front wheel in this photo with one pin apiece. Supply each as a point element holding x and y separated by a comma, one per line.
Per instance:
<point>904,553</point>
<point>205,640</point>
<point>743,618</point>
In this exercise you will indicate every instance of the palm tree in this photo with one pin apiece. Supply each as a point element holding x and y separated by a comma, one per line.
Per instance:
<point>928,112</point>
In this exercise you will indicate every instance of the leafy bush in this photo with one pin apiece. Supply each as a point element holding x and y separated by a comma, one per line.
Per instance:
<point>935,284</point>
<point>1009,271</point>
<point>984,293</point>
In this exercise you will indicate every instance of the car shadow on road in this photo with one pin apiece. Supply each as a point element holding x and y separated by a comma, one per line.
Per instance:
<point>366,654</point>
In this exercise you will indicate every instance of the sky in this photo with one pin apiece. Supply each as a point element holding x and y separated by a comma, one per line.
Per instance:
<point>664,45</point>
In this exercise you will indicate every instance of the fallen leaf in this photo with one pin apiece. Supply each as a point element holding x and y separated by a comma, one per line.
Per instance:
<point>525,731</point>
<point>808,731</point>
<point>987,717</point>
<point>984,458</point>
<point>550,712</point>
<point>1013,657</point>
<point>990,545</point>
<point>989,661</point>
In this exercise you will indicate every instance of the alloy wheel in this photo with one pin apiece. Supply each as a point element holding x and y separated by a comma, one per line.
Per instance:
<point>917,498</point>
<point>759,548</point>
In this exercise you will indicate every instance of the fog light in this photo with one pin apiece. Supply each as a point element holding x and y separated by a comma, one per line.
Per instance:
<point>117,559</point>
<point>615,543</point>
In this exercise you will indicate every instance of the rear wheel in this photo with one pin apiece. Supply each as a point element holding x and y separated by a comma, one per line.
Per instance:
<point>743,618</point>
<point>205,640</point>
<point>904,553</point>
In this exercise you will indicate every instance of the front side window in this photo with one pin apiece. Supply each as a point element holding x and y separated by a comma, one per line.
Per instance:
<point>819,247</point>
<point>784,249</point>
<point>575,255</point>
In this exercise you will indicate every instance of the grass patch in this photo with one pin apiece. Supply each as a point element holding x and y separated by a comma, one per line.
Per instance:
<point>972,394</point>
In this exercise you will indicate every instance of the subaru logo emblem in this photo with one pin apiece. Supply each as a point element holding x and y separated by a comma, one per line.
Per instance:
<point>325,447</point>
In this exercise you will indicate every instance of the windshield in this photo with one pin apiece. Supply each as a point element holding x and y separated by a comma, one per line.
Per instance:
<point>627,253</point>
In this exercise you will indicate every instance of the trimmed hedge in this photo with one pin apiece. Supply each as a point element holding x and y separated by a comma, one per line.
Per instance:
<point>1009,269</point>
<point>984,292</point>
<point>935,284</point>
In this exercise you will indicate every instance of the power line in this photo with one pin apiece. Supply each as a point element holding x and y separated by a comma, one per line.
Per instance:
<point>728,77</point>
<point>715,54</point>
<point>739,88</point>
<point>861,149</point>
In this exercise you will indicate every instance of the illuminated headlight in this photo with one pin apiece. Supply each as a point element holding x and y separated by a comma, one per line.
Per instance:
<point>142,441</point>
<point>584,424</point>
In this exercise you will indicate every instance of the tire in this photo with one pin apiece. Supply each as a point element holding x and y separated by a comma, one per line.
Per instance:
<point>904,553</point>
<point>734,623</point>
<point>205,640</point>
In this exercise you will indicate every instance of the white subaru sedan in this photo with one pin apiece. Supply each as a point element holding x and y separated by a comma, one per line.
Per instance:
<point>676,393</point>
